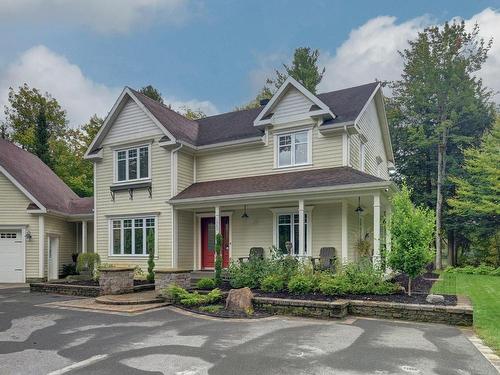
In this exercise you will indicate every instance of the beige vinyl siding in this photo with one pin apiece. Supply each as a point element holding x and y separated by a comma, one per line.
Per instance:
<point>185,167</point>
<point>13,205</point>
<point>65,231</point>
<point>185,227</point>
<point>327,228</point>
<point>255,231</point>
<point>291,104</point>
<point>138,206</point>
<point>130,124</point>
<point>259,159</point>
<point>370,127</point>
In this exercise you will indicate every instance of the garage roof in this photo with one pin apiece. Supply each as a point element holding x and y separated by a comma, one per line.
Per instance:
<point>39,182</point>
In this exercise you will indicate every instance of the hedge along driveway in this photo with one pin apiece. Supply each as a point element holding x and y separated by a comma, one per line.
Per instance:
<point>484,291</point>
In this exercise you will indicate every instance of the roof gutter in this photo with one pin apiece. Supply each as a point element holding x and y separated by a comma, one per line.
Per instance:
<point>323,189</point>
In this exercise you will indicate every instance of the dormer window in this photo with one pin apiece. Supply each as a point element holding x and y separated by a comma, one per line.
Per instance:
<point>293,149</point>
<point>132,164</point>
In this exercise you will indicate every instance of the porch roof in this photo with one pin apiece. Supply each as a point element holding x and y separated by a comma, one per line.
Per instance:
<point>278,183</point>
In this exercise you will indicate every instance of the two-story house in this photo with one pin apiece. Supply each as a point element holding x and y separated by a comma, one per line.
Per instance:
<point>312,170</point>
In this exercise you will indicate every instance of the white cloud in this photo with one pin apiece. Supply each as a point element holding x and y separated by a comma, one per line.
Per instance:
<point>81,97</point>
<point>49,72</point>
<point>102,15</point>
<point>370,52</point>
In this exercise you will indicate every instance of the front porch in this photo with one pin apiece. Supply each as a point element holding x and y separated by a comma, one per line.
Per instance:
<point>309,221</point>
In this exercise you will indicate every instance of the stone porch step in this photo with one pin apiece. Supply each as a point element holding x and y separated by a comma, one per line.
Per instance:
<point>141,298</point>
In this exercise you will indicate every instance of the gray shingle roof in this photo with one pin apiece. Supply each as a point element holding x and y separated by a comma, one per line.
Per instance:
<point>41,182</point>
<point>277,182</point>
<point>346,104</point>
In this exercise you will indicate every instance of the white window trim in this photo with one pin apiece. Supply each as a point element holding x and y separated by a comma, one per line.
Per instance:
<point>115,164</point>
<point>276,137</point>
<point>292,211</point>
<point>110,236</point>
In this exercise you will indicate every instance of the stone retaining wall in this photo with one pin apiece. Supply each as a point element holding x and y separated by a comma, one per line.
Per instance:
<point>461,315</point>
<point>116,281</point>
<point>311,309</point>
<point>169,276</point>
<point>66,289</point>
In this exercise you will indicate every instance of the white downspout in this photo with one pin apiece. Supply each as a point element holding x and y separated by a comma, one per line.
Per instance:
<point>173,192</point>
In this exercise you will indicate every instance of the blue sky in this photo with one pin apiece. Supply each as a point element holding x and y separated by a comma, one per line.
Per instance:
<point>212,55</point>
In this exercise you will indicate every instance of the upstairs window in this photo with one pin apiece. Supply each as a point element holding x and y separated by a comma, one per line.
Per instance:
<point>132,164</point>
<point>293,149</point>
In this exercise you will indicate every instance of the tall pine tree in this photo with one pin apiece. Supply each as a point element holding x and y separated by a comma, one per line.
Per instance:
<point>42,136</point>
<point>439,108</point>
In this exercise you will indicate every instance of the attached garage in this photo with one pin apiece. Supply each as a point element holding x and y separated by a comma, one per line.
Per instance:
<point>12,256</point>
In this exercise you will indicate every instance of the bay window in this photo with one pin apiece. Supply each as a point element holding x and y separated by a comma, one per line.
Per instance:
<point>132,164</point>
<point>133,236</point>
<point>293,148</point>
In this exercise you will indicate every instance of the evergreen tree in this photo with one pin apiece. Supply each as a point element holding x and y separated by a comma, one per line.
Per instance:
<point>439,108</point>
<point>41,141</point>
<point>152,93</point>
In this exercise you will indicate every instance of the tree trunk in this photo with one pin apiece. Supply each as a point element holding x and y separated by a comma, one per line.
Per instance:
<point>439,199</point>
<point>409,286</point>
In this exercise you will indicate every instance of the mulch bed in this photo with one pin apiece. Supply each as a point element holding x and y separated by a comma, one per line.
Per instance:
<point>225,313</point>
<point>420,284</point>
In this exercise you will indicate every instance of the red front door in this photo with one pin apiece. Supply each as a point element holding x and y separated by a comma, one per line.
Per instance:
<point>208,241</point>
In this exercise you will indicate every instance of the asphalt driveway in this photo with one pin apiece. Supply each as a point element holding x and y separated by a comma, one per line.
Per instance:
<point>38,339</point>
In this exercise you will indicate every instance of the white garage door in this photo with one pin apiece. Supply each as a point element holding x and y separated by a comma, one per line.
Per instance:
<point>11,256</point>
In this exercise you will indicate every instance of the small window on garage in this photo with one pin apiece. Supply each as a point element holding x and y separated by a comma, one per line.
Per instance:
<point>7,235</point>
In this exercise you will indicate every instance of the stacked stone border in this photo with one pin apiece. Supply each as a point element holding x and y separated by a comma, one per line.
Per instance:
<point>460,315</point>
<point>168,276</point>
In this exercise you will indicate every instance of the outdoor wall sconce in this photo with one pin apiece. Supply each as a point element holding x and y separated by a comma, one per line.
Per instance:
<point>28,235</point>
<point>245,215</point>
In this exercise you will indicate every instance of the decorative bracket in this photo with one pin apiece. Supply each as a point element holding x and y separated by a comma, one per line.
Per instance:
<point>150,191</point>
<point>112,192</point>
<point>131,194</point>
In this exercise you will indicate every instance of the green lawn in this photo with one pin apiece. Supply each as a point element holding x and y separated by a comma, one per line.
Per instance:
<point>484,292</point>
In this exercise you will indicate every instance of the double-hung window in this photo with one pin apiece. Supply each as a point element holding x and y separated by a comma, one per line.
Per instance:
<point>133,236</point>
<point>293,149</point>
<point>288,231</point>
<point>132,164</point>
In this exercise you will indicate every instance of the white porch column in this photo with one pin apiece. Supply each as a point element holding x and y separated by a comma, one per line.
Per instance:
<point>41,246</point>
<point>217,220</point>
<point>302,237</point>
<point>376,229</point>
<point>84,236</point>
<point>388,213</point>
<point>345,233</point>
<point>175,238</point>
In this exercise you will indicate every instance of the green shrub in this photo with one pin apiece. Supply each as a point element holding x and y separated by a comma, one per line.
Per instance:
<point>272,283</point>
<point>180,295</point>
<point>302,284</point>
<point>205,283</point>
<point>248,274</point>
<point>495,272</point>
<point>484,270</point>
<point>88,262</point>
<point>69,269</point>
<point>151,256</point>
<point>332,285</point>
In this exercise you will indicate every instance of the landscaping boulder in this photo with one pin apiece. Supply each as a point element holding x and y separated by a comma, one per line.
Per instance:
<point>239,300</point>
<point>435,298</point>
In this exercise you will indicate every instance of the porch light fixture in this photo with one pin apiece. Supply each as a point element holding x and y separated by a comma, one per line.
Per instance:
<point>28,235</point>
<point>245,215</point>
<point>359,210</point>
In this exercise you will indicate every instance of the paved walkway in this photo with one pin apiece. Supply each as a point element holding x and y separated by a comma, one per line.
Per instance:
<point>38,339</point>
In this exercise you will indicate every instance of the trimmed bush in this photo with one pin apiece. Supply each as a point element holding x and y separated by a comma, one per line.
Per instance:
<point>88,262</point>
<point>206,283</point>
<point>302,284</point>
<point>248,274</point>
<point>182,296</point>
<point>272,283</point>
<point>471,270</point>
